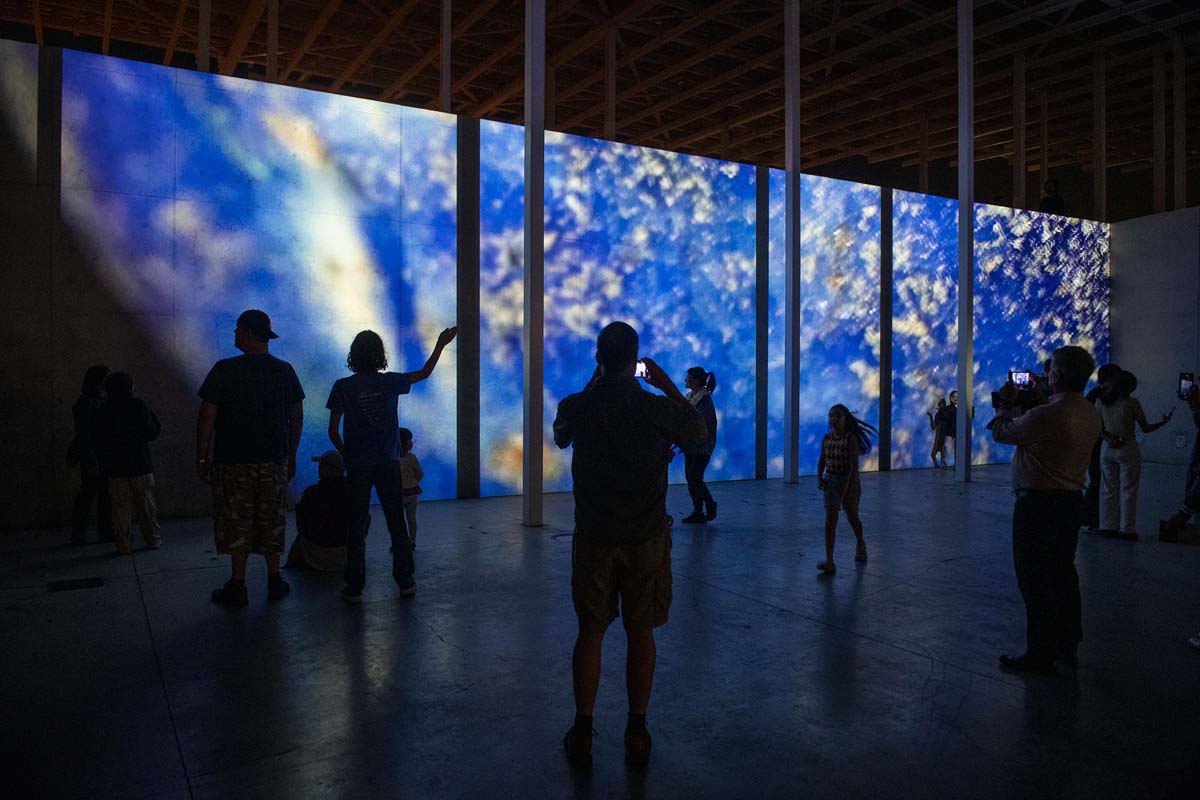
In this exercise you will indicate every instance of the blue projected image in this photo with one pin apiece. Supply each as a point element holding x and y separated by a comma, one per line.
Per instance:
<point>202,195</point>
<point>924,319</point>
<point>839,311</point>
<point>1041,282</point>
<point>661,240</point>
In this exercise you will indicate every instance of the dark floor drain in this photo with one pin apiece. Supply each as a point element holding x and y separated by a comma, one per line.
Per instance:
<point>74,583</point>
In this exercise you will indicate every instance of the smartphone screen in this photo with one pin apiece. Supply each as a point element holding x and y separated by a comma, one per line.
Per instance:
<point>1186,381</point>
<point>640,370</point>
<point>1020,378</point>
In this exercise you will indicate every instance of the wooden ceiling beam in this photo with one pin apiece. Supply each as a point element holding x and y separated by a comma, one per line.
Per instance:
<point>176,27</point>
<point>314,30</point>
<point>241,36</point>
<point>382,35</point>
<point>479,10</point>
<point>107,35</point>
<point>578,45</point>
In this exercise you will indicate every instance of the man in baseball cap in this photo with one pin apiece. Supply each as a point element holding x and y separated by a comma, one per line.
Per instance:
<point>257,323</point>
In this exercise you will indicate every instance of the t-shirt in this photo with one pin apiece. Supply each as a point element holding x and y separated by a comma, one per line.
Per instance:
<point>254,395</point>
<point>371,424</point>
<point>621,434</point>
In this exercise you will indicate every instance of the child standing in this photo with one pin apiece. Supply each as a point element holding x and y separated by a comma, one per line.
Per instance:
<point>124,428</point>
<point>410,478</point>
<point>837,477</point>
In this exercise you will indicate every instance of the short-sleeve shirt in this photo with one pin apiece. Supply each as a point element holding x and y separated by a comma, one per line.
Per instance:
<point>371,424</point>
<point>1120,417</point>
<point>254,395</point>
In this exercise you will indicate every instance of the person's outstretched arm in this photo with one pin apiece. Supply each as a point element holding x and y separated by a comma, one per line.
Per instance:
<point>1140,416</point>
<point>444,338</point>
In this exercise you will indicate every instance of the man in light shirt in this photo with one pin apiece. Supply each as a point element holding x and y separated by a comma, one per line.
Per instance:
<point>1054,446</point>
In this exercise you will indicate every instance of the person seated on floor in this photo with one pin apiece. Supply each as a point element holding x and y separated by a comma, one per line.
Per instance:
<point>323,518</point>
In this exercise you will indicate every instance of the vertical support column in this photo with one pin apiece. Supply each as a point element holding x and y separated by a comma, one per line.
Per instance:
<point>535,279</point>
<point>791,313</point>
<point>204,37</point>
<point>1179,121</point>
<point>610,85</point>
<point>1044,136</point>
<point>1099,142</point>
<point>1160,134</point>
<point>762,321</point>
<point>272,40</point>
<point>48,194</point>
<point>1019,199</point>
<point>551,93</point>
<point>923,155</point>
<point>885,329</point>
<point>966,236</point>
<point>447,40</point>
<point>467,344</point>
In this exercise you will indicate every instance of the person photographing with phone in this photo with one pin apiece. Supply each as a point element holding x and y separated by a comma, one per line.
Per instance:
<point>1189,392</point>
<point>701,384</point>
<point>621,552</point>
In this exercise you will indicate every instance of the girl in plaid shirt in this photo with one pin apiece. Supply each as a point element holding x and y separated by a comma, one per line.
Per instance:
<point>837,476</point>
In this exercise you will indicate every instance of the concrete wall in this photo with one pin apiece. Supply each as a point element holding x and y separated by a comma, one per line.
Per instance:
<point>1155,318</point>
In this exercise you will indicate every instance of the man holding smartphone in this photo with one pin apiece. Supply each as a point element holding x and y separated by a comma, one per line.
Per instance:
<point>621,553</point>
<point>1191,495</point>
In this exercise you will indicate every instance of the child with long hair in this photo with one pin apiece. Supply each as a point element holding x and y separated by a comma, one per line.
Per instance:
<point>701,384</point>
<point>848,439</point>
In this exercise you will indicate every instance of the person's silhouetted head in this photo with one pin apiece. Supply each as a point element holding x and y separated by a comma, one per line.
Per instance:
<point>93,380</point>
<point>617,348</point>
<point>954,398</point>
<point>1050,188</point>
<point>1070,369</point>
<point>700,378</point>
<point>941,403</point>
<point>842,421</point>
<point>406,439</point>
<point>1107,374</point>
<point>253,331</point>
<point>367,353</point>
<point>119,386</point>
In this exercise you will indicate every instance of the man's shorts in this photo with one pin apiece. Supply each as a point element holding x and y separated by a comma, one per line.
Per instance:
<point>838,493</point>
<point>249,505</point>
<point>638,574</point>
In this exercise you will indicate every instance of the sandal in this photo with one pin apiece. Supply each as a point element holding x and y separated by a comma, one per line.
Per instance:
<point>828,567</point>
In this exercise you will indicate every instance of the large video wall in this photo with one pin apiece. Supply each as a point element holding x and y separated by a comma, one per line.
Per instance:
<point>839,311</point>
<point>660,240</point>
<point>194,196</point>
<point>199,196</point>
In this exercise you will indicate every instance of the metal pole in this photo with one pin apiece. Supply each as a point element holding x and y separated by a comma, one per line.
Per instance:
<point>1099,142</point>
<point>272,40</point>
<point>610,85</point>
<point>923,163</point>
<point>966,236</point>
<point>791,148</point>
<point>1019,199</point>
<point>885,329</point>
<point>447,41</point>
<point>467,345</point>
<point>1179,123</point>
<point>204,36</point>
<point>1160,134</point>
<point>534,333</point>
<point>1044,136</point>
<point>762,322</point>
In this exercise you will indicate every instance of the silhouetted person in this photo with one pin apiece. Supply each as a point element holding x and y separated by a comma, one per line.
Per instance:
<point>411,476</point>
<point>1091,498</point>
<point>323,518</point>
<point>946,420</point>
<point>253,403</point>
<point>1054,442</point>
<point>848,440</point>
<point>701,384</point>
<point>1191,488</point>
<point>124,428</point>
<point>622,436</point>
<point>939,433</point>
<point>1121,457</point>
<point>93,488</point>
<point>1052,202</point>
<point>370,445</point>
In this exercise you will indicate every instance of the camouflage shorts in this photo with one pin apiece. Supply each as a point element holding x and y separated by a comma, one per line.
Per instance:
<point>249,507</point>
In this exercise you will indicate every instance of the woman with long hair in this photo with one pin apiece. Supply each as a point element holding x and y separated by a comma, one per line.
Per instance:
<point>1120,456</point>
<point>700,384</point>
<point>93,487</point>
<point>849,438</point>
<point>939,433</point>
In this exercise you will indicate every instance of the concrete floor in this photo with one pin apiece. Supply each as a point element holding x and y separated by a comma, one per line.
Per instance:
<point>772,682</point>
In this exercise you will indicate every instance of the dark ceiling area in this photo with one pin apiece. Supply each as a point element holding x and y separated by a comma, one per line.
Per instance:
<point>878,77</point>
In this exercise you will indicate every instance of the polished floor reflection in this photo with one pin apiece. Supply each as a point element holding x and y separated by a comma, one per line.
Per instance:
<point>772,681</point>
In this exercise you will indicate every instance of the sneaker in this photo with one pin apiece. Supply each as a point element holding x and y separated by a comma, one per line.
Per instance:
<point>277,587</point>
<point>694,517</point>
<point>578,746</point>
<point>232,594</point>
<point>637,746</point>
<point>711,513</point>
<point>352,598</point>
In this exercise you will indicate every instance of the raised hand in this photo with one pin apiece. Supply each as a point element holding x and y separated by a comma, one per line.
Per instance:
<point>447,336</point>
